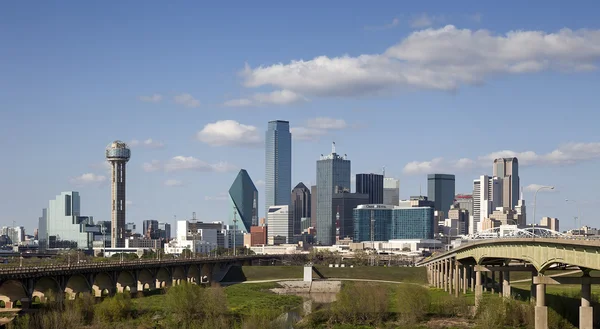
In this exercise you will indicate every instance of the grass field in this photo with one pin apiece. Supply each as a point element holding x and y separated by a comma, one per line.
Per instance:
<point>398,274</point>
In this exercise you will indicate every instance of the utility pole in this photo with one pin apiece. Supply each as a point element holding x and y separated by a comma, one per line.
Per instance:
<point>373,237</point>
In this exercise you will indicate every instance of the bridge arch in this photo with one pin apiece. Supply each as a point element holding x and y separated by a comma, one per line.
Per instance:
<point>179,275</point>
<point>126,282</point>
<point>103,284</point>
<point>77,284</point>
<point>193,274</point>
<point>163,278</point>
<point>46,288</point>
<point>146,280</point>
<point>11,292</point>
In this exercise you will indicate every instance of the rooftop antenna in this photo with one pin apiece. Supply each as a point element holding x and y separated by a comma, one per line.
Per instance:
<point>420,190</point>
<point>521,195</point>
<point>383,171</point>
<point>194,215</point>
<point>333,148</point>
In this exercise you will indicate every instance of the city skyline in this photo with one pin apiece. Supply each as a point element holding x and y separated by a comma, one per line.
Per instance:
<point>194,112</point>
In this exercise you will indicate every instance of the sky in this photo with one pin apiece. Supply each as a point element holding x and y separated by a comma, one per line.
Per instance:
<point>421,87</point>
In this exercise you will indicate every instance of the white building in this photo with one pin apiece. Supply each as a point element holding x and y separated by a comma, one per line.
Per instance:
<point>487,194</point>
<point>198,240</point>
<point>279,221</point>
<point>62,226</point>
<point>391,191</point>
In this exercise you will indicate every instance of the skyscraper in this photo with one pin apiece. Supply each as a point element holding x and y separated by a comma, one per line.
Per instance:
<point>507,169</point>
<point>244,198</point>
<point>313,206</point>
<point>487,195</point>
<point>391,191</point>
<point>440,189</point>
<point>301,206</point>
<point>371,184</point>
<point>150,229</point>
<point>117,154</point>
<point>62,226</point>
<point>278,164</point>
<point>279,221</point>
<point>333,172</point>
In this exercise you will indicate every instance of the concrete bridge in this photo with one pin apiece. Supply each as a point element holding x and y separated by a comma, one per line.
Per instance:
<point>22,285</point>
<point>470,266</point>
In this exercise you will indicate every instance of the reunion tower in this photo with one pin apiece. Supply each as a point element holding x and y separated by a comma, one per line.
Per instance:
<point>117,154</point>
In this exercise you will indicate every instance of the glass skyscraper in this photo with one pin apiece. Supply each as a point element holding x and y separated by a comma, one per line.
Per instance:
<point>278,164</point>
<point>441,190</point>
<point>392,223</point>
<point>333,174</point>
<point>371,184</point>
<point>62,225</point>
<point>244,197</point>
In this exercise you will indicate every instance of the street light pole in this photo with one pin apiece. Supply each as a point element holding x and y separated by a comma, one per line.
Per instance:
<point>535,201</point>
<point>234,229</point>
<point>578,213</point>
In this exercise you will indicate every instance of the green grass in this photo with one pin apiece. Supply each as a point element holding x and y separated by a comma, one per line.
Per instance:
<point>245,299</point>
<point>398,274</point>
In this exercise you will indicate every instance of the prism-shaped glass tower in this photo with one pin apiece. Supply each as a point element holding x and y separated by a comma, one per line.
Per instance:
<point>244,197</point>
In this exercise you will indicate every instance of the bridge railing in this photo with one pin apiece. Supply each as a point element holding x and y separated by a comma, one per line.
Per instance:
<point>125,263</point>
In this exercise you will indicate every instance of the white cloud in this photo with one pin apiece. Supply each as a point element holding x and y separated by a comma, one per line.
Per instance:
<point>87,179</point>
<point>186,100</point>
<point>173,182</point>
<point>535,187</point>
<point>259,182</point>
<point>219,197</point>
<point>442,59</point>
<point>155,98</point>
<point>277,97</point>
<point>422,20</point>
<point>151,166</point>
<point>390,25</point>
<point>229,133</point>
<point>317,127</point>
<point>149,143</point>
<point>565,154</point>
<point>181,163</point>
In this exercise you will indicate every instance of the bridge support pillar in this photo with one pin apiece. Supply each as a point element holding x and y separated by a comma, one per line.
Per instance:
<point>493,287</point>
<point>465,280</point>
<point>440,277</point>
<point>472,277</point>
<point>456,278</point>
<point>478,288</point>
<point>506,284</point>
<point>533,291</point>
<point>436,275</point>
<point>586,312</point>
<point>541,310</point>
<point>445,274</point>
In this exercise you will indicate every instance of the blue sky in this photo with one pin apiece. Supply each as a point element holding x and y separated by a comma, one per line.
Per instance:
<point>421,87</point>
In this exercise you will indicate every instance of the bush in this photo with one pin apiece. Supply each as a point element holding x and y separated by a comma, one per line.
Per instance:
<point>360,303</point>
<point>501,312</point>
<point>114,309</point>
<point>413,303</point>
<point>190,305</point>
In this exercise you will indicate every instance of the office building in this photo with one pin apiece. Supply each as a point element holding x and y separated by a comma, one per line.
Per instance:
<point>440,190</point>
<point>343,204</point>
<point>301,205</point>
<point>117,154</point>
<point>258,235</point>
<point>550,223</point>
<point>391,191</point>
<point>487,195</point>
<point>372,185</point>
<point>313,206</point>
<point>164,231</point>
<point>62,226</point>
<point>279,222</point>
<point>464,201</point>
<point>507,169</point>
<point>461,216</point>
<point>386,222</point>
<point>278,164</point>
<point>244,199</point>
<point>150,229</point>
<point>333,172</point>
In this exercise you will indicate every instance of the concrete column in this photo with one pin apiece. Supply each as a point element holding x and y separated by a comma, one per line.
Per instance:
<point>506,284</point>
<point>478,288</point>
<point>493,281</point>
<point>533,291</point>
<point>445,275</point>
<point>541,310</point>
<point>472,274</point>
<point>439,275</point>
<point>465,279</point>
<point>450,276</point>
<point>500,282</point>
<point>456,279</point>
<point>586,312</point>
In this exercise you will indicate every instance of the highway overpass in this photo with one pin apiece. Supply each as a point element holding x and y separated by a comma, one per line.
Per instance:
<point>470,266</point>
<point>24,284</point>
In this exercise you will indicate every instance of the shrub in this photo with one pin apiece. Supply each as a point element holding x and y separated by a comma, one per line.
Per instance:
<point>360,303</point>
<point>114,309</point>
<point>413,303</point>
<point>191,305</point>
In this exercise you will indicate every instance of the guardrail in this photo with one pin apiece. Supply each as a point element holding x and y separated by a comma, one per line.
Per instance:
<point>112,264</point>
